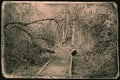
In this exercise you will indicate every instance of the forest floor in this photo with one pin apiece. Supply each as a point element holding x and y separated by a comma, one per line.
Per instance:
<point>58,67</point>
<point>83,66</point>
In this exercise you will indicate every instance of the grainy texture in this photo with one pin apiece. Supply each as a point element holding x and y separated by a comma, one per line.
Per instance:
<point>39,39</point>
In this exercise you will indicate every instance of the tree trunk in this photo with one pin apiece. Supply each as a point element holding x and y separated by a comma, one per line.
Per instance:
<point>63,36</point>
<point>73,34</point>
<point>64,31</point>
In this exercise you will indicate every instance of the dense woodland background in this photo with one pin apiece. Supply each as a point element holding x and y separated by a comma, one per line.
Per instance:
<point>31,30</point>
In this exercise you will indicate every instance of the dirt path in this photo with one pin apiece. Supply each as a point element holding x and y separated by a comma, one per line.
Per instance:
<point>60,66</point>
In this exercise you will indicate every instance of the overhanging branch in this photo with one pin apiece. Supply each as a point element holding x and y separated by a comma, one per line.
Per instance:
<point>26,24</point>
<point>15,25</point>
<point>24,31</point>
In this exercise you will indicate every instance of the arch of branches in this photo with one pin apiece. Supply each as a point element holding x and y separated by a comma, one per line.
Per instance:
<point>18,24</point>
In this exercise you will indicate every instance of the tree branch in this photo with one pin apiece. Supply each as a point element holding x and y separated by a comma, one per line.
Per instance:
<point>39,20</point>
<point>24,31</point>
<point>26,24</point>
<point>5,26</point>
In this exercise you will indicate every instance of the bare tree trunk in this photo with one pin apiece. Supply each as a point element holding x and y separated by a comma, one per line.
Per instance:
<point>65,25</point>
<point>63,36</point>
<point>73,34</point>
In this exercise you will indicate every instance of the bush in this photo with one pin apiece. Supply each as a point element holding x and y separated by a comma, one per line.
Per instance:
<point>19,53</point>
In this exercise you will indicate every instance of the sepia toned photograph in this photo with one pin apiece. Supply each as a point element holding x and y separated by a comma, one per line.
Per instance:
<point>59,40</point>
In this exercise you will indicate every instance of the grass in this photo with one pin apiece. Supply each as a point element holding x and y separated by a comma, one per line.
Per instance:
<point>31,70</point>
<point>95,65</point>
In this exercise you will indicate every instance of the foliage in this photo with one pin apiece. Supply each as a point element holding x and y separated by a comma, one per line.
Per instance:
<point>94,33</point>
